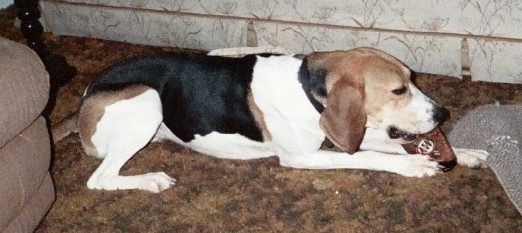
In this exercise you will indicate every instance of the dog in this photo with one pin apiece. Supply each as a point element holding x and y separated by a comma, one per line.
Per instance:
<point>257,106</point>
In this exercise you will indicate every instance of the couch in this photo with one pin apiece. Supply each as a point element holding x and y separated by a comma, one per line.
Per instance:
<point>27,190</point>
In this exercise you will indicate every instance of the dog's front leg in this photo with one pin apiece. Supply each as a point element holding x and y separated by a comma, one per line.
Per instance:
<point>406,165</point>
<point>378,140</point>
<point>471,158</point>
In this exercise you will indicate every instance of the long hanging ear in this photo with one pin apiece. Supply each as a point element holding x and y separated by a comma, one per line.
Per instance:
<point>344,120</point>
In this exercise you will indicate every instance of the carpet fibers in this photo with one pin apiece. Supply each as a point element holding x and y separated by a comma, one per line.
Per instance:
<point>215,195</point>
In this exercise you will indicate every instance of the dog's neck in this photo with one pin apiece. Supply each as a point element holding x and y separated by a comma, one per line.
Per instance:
<point>313,84</point>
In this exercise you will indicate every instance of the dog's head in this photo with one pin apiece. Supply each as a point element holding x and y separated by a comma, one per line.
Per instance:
<point>366,87</point>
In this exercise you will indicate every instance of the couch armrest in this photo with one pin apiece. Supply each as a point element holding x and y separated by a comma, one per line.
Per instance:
<point>24,88</point>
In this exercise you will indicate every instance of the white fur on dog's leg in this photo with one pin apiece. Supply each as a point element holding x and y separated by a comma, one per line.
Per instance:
<point>418,165</point>
<point>126,127</point>
<point>471,158</point>
<point>153,182</point>
<point>406,165</point>
<point>107,177</point>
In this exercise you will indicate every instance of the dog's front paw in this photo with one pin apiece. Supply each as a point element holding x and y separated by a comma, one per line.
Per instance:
<point>418,166</point>
<point>471,158</point>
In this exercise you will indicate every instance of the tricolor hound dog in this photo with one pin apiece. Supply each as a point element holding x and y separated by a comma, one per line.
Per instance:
<point>258,106</point>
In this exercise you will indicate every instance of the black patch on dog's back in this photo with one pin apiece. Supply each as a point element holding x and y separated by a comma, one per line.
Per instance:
<point>200,94</point>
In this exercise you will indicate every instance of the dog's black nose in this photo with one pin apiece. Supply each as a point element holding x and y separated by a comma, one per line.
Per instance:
<point>440,114</point>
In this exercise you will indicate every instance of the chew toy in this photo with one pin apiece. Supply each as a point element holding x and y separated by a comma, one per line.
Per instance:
<point>436,145</point>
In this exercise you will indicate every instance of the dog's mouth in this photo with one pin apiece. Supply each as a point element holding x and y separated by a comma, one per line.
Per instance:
<point>395,133</point>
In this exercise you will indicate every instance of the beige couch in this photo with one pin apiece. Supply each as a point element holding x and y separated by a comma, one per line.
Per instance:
<point>26,188</point>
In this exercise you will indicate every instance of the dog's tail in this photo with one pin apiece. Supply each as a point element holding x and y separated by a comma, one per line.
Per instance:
<point>65,127</point>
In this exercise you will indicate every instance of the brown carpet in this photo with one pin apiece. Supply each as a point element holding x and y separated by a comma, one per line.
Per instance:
<point>260,196</point>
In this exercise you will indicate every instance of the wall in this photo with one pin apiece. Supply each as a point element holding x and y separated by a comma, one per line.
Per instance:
<point>435,36</point>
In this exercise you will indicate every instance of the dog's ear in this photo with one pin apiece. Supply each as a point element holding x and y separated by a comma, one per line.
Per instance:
<point>344,119</point>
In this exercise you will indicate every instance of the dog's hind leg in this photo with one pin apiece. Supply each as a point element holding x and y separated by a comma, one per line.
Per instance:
<point>125,127</point>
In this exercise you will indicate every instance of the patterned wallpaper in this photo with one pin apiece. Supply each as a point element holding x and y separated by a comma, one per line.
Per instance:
<point>427,35</point>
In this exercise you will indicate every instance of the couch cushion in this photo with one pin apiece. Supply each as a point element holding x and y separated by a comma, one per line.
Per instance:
<point>24,163</point>
<point>29,218</point>
<point>24,88</point>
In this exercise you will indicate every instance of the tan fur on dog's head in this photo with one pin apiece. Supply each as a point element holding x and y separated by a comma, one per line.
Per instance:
<point>368,88</point>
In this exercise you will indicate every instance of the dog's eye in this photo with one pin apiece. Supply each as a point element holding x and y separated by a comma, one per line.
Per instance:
<point>400,91</point>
